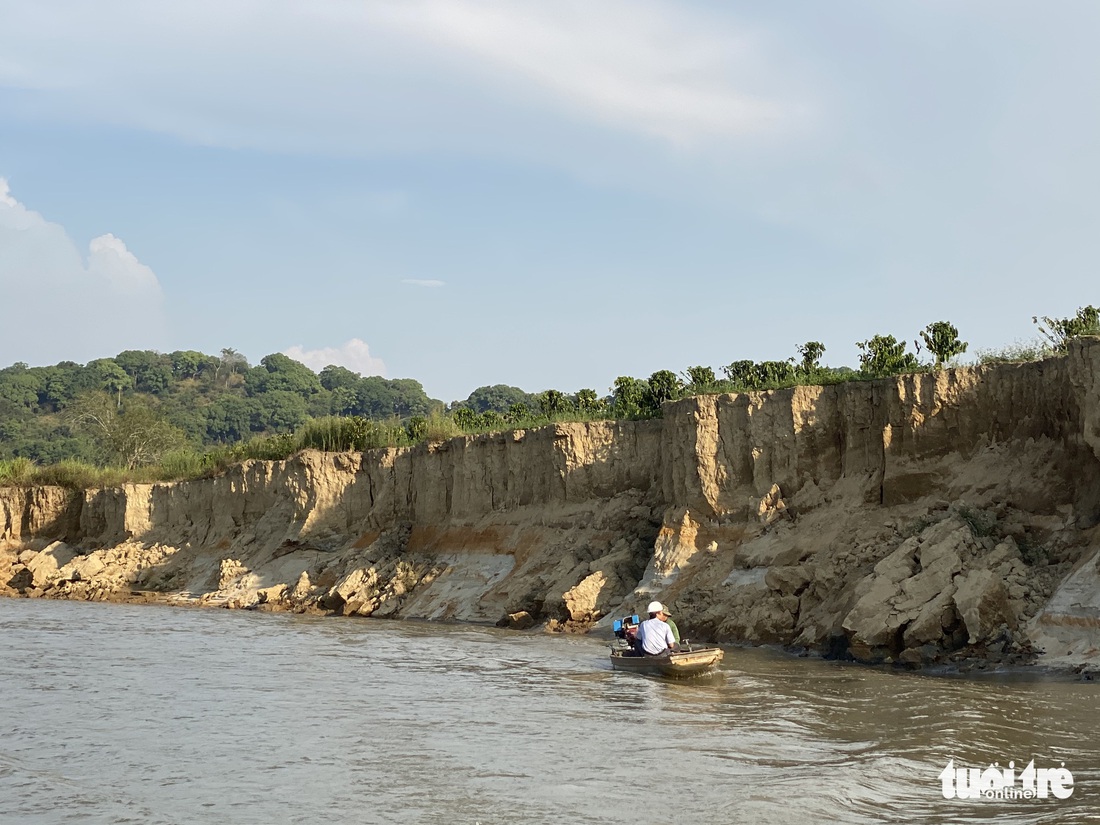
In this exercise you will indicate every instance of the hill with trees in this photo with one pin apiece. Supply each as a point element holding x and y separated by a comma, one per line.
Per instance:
<point>178,400</point>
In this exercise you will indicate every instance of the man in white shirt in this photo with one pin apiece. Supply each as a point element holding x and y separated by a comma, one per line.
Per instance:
<point>654,634</point>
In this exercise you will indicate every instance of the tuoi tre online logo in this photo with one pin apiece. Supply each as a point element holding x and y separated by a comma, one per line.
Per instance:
<point>996,782</point>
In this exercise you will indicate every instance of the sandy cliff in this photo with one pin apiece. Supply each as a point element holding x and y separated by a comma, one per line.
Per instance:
<point>913,519</point>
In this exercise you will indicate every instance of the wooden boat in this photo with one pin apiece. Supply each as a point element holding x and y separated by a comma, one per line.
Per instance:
<point>688,661</point>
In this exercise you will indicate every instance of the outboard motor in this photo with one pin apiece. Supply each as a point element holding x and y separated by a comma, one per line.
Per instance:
<point>626,630</point>
<point>626,627</point>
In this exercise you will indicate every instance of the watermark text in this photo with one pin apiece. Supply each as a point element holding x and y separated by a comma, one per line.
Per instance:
<point>996,782</point>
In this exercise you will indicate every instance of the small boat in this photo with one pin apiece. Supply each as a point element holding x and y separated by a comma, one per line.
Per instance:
<point>685,660</point>
<point>689,660</point>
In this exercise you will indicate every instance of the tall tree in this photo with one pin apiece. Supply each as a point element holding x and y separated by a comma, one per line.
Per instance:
<point>740,373</point>
<point>280,372</point>
<point>111,377</point>
<point>151,371</point>
<point>885,355</point>
<point>942,340</point>
<point>232,362</point>
<point>499,397</point>
<point>20,386</point>
<point>700,379</point>
<point>588,402</point>
<point>628,396</point>
<point>553,402</point>
<point>133,436</point>
<point>188,363</point>
<point>334,377</point>
<point>664,385</point>
<point>810,353</point>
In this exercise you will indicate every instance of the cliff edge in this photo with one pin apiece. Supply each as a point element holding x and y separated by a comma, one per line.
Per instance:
<point>918,519</point>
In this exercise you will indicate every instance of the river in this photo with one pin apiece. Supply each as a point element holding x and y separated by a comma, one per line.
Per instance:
<point>149,714</point>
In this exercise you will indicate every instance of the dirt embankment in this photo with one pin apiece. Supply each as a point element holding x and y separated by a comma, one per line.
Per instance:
<point>917,519</point>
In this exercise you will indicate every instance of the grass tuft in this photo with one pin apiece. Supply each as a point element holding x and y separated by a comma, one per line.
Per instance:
<point>441,427</point>
<point>18,472</point>
<point>1019,352</point>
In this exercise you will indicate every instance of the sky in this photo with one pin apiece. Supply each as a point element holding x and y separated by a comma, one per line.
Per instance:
<point>541,193</point>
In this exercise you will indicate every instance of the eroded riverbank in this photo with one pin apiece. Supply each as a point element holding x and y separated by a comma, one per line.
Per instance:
<point>924,519</point>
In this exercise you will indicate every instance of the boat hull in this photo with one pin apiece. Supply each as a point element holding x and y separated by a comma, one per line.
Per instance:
<point>680,664</point>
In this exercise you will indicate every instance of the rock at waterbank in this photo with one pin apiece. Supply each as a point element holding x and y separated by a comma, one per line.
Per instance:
<point>355,593</point>
<point>937,593</point>
<point>521,620</point>
<point>82,569</point>
<point>60,570</point>
<point>983,604</point>
<point>31,571</point>
<point>45,566</point>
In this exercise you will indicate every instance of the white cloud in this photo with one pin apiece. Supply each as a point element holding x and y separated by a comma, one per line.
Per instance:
<point>110,259</point>
<point>643,66</point>
<point>423,282</point>
<point>70,308</point>
<point>354,354</point>
<point>5,195</point>
<point>353,76</point>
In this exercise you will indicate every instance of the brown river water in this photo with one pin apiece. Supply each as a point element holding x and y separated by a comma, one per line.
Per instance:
<point>145,714</point>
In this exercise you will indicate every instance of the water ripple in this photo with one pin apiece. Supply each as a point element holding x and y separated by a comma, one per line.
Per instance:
<point>117,714</point>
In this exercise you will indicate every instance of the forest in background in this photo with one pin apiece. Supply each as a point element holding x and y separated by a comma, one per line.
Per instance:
<point>145,415</point>
<point>49,414</point>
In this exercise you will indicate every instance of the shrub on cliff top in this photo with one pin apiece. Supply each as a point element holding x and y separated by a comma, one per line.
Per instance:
<point>1018,352</point>
<point>1059,331</point>
<point>588,402</point>
<point>748,376</point>
<point>440,427</point>
<point>699,380</point>
<point>884,355</point>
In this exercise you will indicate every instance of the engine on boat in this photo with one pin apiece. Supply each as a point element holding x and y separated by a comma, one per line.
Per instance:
<point>626,634</point>
<point>626,627</point>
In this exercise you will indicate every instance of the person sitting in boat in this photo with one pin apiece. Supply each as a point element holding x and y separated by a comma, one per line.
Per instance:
<point>655,637</point>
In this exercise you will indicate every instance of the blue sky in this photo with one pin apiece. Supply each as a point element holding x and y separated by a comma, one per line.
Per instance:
<point>545,194</point>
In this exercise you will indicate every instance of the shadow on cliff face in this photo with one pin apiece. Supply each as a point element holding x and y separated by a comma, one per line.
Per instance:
<point>41,511</point>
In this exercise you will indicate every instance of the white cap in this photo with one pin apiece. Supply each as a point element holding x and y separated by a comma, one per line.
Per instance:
<point>656,607</point>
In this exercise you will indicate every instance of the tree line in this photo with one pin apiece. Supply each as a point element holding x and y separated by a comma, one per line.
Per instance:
<point>190,414</point>
<point>179,399</point>
<point>637,398</point>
